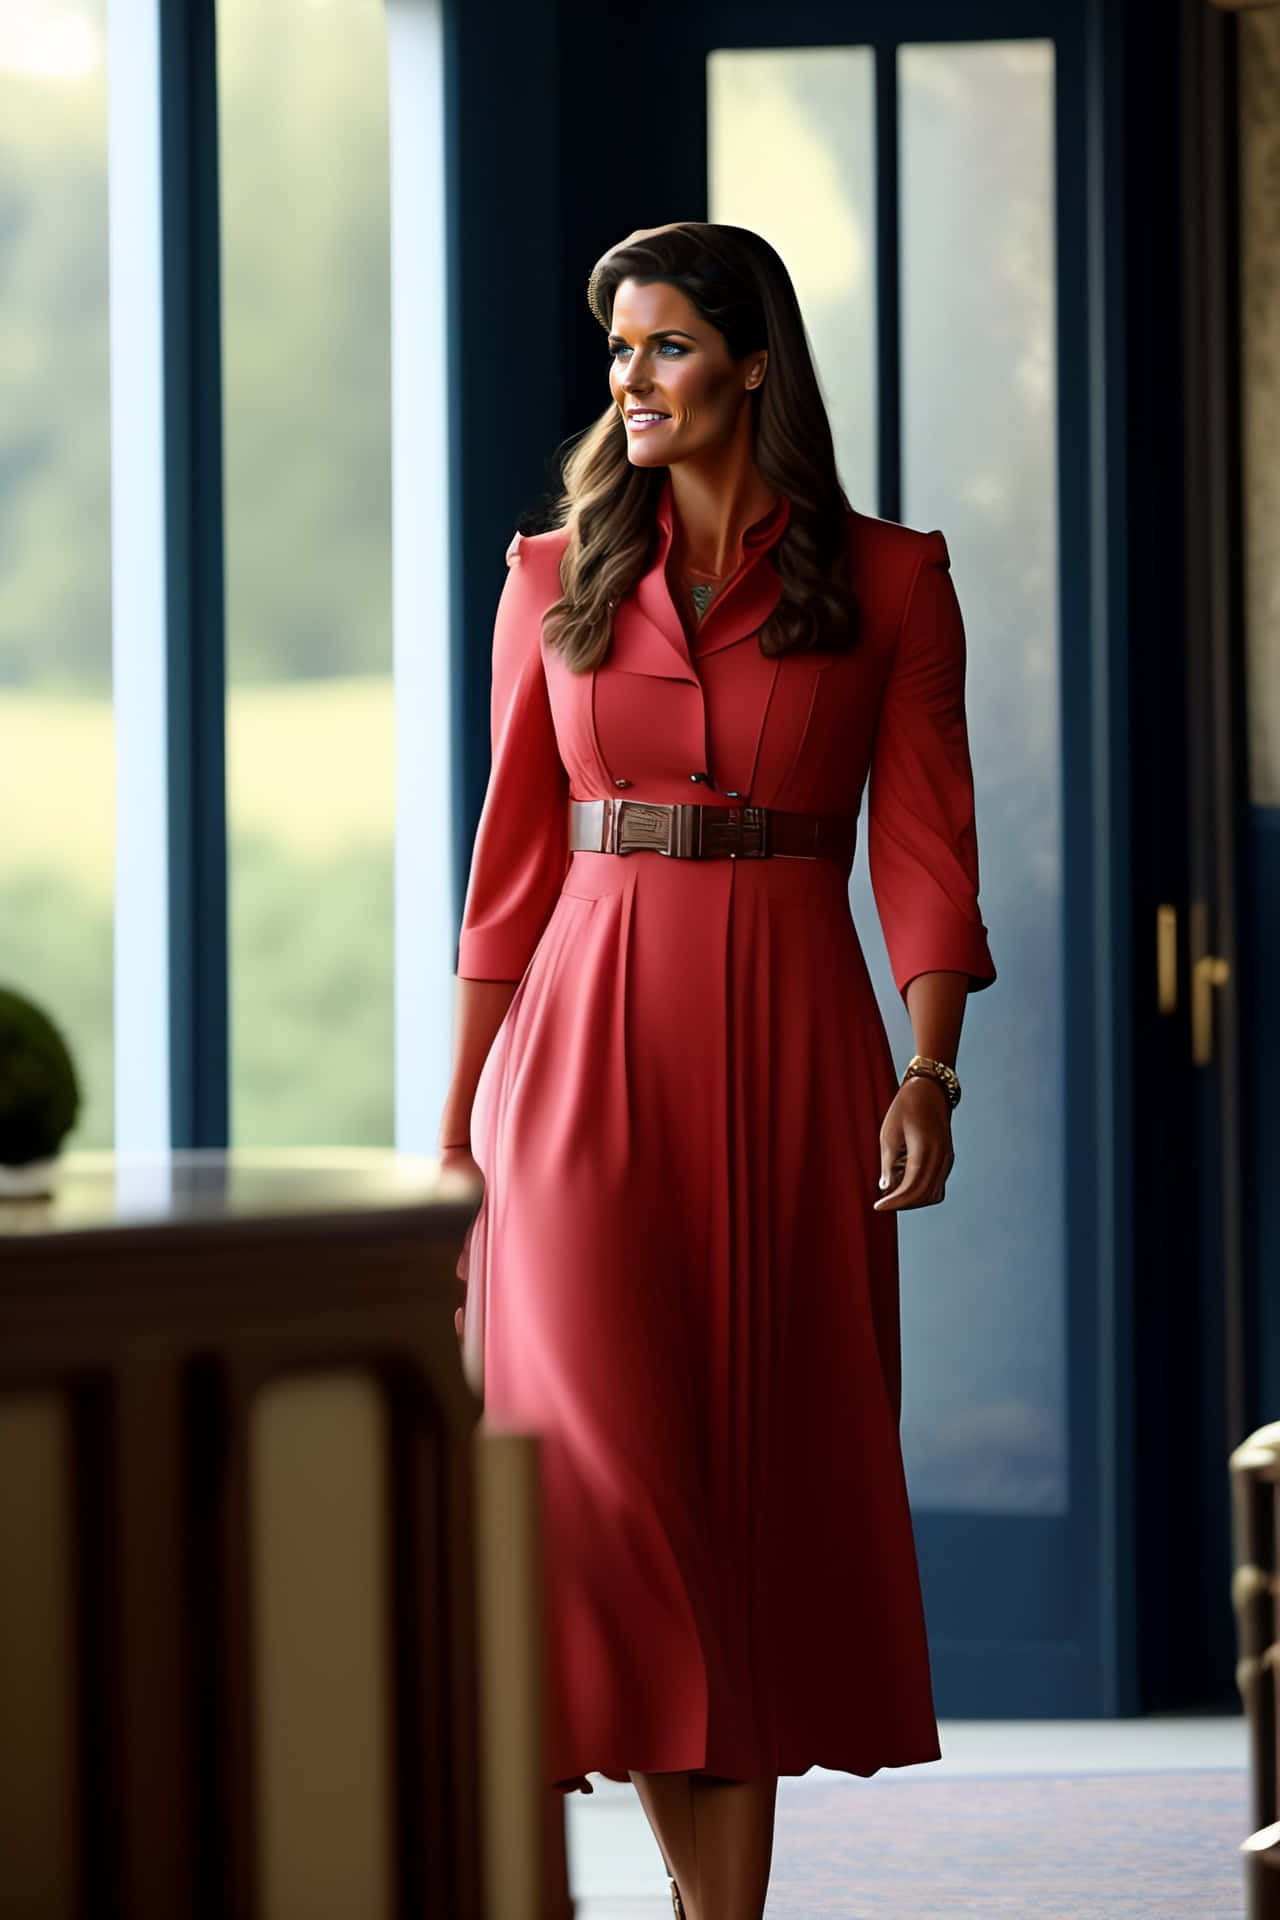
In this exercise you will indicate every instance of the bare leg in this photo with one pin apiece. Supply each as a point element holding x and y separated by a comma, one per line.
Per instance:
<point>716,1837</point>
<point>733,1823</point>
<point>667,1799</point>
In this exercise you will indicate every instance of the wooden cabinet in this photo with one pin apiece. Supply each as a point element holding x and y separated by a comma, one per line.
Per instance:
<point>238,1661</point>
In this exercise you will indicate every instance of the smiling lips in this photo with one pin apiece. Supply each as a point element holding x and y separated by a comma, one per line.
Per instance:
<point>641,417</point>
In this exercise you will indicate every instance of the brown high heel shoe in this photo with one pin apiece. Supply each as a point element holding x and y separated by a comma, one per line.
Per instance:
<point>676,1902</point>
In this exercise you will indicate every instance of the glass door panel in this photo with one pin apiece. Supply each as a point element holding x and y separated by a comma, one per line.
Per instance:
<point>779,115</point>
<point>792,155</point>
<point>984,1276</point>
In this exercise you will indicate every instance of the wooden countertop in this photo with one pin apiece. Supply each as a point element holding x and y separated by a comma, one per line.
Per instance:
<point>242,1188</point>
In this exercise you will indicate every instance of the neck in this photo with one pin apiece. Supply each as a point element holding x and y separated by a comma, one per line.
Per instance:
<point>713,502</point>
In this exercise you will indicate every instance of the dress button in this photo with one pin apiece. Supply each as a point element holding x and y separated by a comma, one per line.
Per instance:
<point>705,778</point>
<point>622,783</point>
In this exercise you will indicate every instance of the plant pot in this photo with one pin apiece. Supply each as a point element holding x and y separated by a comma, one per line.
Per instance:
<point>33,1181</point>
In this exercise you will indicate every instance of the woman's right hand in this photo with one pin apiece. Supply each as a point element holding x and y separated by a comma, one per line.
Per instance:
<point>481,1007</point>
<point>460,1160</point>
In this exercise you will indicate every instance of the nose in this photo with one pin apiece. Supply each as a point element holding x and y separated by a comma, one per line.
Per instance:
<point>634,378</point>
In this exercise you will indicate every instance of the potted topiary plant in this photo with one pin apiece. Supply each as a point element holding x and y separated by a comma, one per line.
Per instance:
<point>39,1097</point>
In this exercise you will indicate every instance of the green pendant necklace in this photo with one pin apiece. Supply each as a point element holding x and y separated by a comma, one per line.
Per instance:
<point>701,597</point>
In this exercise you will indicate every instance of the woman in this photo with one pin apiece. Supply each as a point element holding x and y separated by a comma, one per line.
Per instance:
<point>672,1072</point>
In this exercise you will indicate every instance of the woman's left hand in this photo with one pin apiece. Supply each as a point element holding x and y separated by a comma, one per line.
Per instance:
<point>915,1147</point>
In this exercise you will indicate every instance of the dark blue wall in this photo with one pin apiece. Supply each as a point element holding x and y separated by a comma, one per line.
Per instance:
<point>506,333</point>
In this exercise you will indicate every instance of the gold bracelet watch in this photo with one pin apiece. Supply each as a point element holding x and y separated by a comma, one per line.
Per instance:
<point>920,1068</point>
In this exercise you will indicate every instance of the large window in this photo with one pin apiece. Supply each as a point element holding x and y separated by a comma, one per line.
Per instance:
<point>56,745</point>
<point>310,720</point>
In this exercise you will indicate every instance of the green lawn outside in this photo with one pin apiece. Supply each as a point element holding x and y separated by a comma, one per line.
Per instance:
<point>311,806</point>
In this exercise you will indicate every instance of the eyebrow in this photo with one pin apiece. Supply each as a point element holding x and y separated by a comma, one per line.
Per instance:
<point>664,334</point>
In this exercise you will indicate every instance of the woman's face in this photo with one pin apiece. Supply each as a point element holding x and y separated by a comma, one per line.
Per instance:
<point>672,377</point>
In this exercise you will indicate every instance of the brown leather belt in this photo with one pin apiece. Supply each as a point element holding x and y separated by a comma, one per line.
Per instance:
<point>690,831</point>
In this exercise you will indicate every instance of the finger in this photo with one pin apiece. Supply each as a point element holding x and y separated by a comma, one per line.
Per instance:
<point>899,1200</point>
<point>915,1180</point>
<point>927,1170</point>
<point>893,1151</point>
<point>906,1200</point>
<point>896,1173</point>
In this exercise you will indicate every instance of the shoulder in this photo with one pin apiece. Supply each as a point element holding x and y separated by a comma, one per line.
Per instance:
<point>532,583</point>
<point>888,547</point>
<point>537,551</point>
<point>886,560</point>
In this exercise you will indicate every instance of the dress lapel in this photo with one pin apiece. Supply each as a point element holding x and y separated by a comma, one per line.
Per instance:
<point>649,627</point>
<point>739,612</point>
<point>647,634</point>
<point>643,643</point>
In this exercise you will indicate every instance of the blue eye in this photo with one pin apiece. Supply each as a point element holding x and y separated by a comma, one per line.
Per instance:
<point>672,347</point>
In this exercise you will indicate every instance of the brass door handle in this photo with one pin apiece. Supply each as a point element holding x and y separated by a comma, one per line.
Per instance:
<point>1208,972</point>
<point>1166,959</point>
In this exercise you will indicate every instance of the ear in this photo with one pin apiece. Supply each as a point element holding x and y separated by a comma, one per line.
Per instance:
<point>755,373</point>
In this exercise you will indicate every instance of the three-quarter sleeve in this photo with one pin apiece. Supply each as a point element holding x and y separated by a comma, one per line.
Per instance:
<point>922,847</point>
<point>521,848</point>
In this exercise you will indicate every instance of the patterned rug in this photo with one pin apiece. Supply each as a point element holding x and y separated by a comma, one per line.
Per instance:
<point>1163,1846</point>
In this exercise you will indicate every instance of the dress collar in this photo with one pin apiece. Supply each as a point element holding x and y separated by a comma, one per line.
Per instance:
<point>654,642</point>
<point>760,534</point>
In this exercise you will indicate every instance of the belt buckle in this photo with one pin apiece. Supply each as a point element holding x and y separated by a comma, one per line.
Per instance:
<point>670,828</point>
<point>638,827</point>
<point>744,835</point>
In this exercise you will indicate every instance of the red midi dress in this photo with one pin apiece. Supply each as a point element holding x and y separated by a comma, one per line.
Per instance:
<point>675,1276</point>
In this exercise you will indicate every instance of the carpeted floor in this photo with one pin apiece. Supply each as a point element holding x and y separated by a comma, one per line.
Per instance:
<point>1162,1846</point>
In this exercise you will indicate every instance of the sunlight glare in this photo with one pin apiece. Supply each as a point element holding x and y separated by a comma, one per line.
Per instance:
<point>50,39</point>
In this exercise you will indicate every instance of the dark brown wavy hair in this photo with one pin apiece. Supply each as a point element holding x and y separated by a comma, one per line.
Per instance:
<point>737,283</point>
